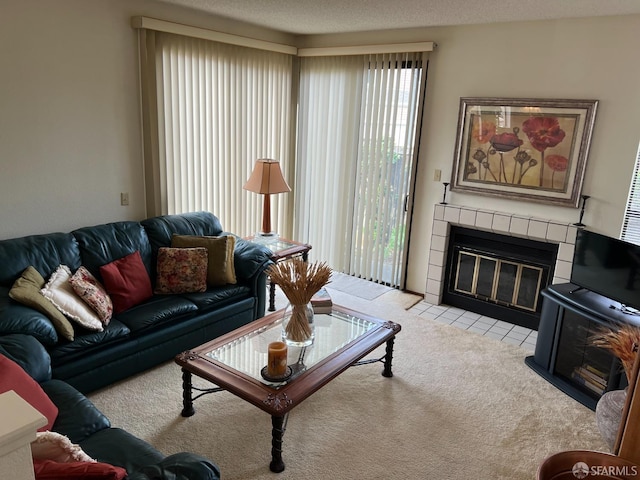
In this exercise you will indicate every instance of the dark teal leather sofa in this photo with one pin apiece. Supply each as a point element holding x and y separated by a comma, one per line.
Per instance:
<point>146,334</point>
<point>85,425</point>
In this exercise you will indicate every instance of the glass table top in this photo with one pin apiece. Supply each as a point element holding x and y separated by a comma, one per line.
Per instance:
<point>248,354</point>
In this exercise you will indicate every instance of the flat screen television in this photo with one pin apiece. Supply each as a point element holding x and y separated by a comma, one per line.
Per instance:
<point>607,266</point>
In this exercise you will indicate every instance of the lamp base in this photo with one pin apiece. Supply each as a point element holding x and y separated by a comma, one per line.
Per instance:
<point>264,237</point>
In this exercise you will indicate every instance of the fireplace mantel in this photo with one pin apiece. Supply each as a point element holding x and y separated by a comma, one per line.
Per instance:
<point>552,231</point>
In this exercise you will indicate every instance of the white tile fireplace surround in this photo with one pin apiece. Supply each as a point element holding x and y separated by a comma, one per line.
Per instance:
<point>551,231</point>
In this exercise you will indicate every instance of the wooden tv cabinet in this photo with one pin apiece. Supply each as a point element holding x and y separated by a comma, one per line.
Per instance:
<point>563,354</point>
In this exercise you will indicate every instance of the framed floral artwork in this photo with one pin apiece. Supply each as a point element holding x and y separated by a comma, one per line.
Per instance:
<point>531,149</point>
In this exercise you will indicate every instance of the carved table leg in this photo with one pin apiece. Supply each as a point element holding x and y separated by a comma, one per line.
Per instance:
<point>386,372</point>
<point>277,431</point>
<point>187,400</point>
<point>272,296</point>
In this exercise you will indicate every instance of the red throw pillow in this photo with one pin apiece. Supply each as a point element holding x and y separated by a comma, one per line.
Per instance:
<point>13,377</point>
<point>126,281</point>
<point>50,470</point>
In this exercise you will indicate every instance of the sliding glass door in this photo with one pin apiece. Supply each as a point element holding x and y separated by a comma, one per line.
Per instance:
<point>358,120</point>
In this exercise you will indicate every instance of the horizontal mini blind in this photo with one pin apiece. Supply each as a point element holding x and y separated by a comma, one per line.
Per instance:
<point>631,225</point>
<point>215,109</point>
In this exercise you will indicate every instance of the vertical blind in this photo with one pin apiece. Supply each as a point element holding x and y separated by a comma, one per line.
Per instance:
<point>631,224</point>
<point>214,109</point>
<point>356,138</point>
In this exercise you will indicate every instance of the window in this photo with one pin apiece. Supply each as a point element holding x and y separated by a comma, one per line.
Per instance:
<point>631,224</point>
<point>211,110</point>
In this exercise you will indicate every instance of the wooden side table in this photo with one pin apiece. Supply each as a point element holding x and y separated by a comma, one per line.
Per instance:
<point>283,250</point>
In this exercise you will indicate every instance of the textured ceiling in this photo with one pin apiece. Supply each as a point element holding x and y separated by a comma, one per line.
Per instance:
<point>306,17</point>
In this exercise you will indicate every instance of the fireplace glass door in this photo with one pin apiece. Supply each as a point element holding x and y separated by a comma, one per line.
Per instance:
<point>507,282</point>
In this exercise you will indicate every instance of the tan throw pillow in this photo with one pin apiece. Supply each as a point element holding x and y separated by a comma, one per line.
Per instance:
<point>181,270</point>
<point>59,291</point>
<point>26,290</point>
<point>220,251</point>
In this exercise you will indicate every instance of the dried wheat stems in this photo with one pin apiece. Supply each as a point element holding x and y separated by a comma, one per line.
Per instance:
<point>299,281</point>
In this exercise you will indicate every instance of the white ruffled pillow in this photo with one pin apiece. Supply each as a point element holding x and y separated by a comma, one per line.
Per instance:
<point>61,294</point>
<point>54,446</point>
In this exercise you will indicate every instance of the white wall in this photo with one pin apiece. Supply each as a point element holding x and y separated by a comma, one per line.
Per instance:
<point>574,59</point>
<point>69,116</point>
<point>69,110</point>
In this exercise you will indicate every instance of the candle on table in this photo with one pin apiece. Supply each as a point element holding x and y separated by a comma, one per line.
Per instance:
<point>277,359</point>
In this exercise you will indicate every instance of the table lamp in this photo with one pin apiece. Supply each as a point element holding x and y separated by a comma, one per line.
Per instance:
<point>267,179</point>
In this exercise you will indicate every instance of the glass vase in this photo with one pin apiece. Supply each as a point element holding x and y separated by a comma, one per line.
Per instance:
<point>298,329</point>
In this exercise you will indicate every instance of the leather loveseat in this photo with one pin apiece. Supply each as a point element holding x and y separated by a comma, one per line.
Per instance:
<point>85,426</point>
<point>148,333</point>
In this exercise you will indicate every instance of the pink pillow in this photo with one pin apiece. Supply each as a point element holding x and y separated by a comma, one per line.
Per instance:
<point>93,293</point>
<point>126,281</point>
<point>50,470</point>
<point>13,377</point>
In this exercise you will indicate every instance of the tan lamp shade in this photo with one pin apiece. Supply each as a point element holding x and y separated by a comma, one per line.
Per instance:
<point>267,178</point>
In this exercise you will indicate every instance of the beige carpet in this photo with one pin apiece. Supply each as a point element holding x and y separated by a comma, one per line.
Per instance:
<point>460,406</point>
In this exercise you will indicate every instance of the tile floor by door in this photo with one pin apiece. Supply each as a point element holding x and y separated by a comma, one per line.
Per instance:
<point>474,322</point>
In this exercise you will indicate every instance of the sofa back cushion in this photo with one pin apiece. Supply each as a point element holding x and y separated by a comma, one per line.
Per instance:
<point>102,244</point>
<point>161,229</point>
<point>43,252</point>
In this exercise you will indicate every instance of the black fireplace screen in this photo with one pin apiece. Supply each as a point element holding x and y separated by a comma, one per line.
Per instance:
<point>492,279</point>
<point>498,275</point>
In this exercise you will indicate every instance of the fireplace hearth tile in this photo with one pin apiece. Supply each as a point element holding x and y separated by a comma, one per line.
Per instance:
<point>537,229</point>
<point>438,213</point>
<point>563,269</point>
<point>501,223</point>
<point>440,228</point>
<point>572,232</point>
<point>452,214</point>
<point>435,272</point>
<point>556,232</point>
<point>565,251</point>
<point>467,217</point>
<point>484,220</point>
<point>519,226</point>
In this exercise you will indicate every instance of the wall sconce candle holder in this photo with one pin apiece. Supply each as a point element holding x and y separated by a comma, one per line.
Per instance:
<point>584,201</point>
<point>444,195</point>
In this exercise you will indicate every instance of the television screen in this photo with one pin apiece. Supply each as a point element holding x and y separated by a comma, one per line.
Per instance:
<point>607,266</point>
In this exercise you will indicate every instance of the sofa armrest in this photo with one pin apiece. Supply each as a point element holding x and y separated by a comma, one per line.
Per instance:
<point>179,466</point>
<point>18,318</point>
<point>250,260</point>
<point>78,418</point>
<point>29,353</point>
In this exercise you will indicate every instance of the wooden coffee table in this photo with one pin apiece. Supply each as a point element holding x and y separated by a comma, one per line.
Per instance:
<point>233,363</point>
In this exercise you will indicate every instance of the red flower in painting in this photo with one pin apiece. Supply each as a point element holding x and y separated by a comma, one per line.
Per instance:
<point>505,142</point>
<point>483,131</point>
<point>557,163</point>
<point>543,132</point>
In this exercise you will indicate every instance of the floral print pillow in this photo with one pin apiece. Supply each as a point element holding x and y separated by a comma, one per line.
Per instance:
<point>182,270</point>
<point>89,289</point>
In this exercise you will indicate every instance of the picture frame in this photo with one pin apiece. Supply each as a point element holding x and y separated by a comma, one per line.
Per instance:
<point>529,149</point>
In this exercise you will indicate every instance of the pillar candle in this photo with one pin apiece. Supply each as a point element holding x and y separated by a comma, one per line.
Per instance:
<point>277,359</point>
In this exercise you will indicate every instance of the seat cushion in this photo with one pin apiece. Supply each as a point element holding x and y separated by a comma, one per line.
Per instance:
<point>157,311</point>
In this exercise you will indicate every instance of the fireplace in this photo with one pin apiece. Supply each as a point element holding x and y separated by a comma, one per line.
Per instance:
<point>548,244</point>
<point>498,275</point>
